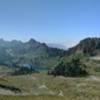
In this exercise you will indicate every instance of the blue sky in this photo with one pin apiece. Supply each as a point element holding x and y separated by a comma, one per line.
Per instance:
<point>52,21</point>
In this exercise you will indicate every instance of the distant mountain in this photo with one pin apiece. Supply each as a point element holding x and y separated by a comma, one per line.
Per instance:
<point>14,53</point>
<point>54,45</point>
<point>89,46</point>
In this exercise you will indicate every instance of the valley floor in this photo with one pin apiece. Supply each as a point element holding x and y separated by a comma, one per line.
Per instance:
<point>44,87</point>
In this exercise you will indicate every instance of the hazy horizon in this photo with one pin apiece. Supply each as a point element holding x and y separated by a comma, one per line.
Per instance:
<point>50,44</point>
<point>64,22</point>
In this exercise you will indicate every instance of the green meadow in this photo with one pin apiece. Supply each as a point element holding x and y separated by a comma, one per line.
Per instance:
<point>44,87</point>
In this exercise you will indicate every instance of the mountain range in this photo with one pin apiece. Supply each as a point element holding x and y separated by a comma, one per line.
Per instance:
<point>14,53</point>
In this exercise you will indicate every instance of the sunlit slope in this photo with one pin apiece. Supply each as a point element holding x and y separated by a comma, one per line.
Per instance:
<point>44,87</point>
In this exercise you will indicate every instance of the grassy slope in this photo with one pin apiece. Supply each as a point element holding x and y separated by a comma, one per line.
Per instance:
<point>5,69</point>
<point>31,98</point>
<point>72,88</point>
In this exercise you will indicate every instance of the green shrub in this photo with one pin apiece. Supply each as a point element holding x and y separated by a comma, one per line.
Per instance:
<point>74,67</point>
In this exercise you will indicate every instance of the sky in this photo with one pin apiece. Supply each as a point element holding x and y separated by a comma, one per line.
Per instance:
<point>63,22</point>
